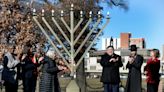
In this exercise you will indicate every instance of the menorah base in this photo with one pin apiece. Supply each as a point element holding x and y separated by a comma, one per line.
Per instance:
<point>72,86</point>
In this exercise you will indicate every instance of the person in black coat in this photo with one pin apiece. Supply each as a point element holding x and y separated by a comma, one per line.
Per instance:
<point>9,73</point>
<point>134,77</point>
<point>29,70</point>
<point>111,63</point>
<point>49,78</point>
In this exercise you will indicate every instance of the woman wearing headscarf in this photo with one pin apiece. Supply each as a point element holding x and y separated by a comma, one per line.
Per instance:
<point>9,74</point>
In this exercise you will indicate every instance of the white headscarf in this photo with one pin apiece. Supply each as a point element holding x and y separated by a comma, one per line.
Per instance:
<point>50,53</point>
<point>11,61</point>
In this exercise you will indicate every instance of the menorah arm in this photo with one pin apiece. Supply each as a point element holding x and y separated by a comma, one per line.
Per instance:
<point>83,30</point>
<point>51,42</point>
<point>89,47</point>
<point>60,29</point>
<point>66,25</point>
<point>78,24</point>
<point>87,37</point>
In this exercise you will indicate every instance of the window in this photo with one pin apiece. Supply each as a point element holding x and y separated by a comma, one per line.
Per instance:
<point>92,67</point>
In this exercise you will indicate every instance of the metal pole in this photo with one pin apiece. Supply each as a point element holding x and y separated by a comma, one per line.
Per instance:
<point>65,24</point>
<point>51,42</point>
<point>83,30</point>
<point>86,51</point>
<point>60,29</point>
<point>85,27</point>
<point>72,86</point>
<point>55,35</point>
<point>89,34</point>
<point>81,20</point>
<point>72,40</point>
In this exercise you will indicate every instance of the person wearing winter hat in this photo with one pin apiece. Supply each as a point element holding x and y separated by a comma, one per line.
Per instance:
<point>134,65</point>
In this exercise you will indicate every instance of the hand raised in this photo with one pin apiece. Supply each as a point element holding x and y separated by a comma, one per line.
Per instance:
<point>112,60</point>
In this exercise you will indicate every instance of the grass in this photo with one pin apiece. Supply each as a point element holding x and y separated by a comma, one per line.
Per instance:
<point>93,85</point>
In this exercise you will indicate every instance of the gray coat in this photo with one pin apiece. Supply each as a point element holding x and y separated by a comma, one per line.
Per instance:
<point>49,80</point>
<point>134,81</point>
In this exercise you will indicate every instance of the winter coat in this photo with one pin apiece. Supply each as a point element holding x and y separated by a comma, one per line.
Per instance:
<point>9,73</point>
<point>134,81</point>
<point>110,73</point>
<point>28,68</point>
<point>152,67</point>
<point>49,80</point>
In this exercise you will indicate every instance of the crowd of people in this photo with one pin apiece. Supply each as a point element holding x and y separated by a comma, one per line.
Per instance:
<point>26,64</point>
<point>111,63</point>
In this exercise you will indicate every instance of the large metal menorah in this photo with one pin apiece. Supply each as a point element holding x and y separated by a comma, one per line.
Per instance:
<point>72,40</point>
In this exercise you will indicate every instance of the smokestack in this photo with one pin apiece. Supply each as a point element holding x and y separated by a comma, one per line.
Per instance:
<point>111,41</point>
<point>163,53</point>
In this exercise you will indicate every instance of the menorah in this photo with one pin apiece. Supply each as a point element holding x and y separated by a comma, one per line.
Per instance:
<point>71,39</point>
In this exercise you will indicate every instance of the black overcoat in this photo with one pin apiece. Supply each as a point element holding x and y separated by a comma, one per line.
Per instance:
<point>49,80</point>
<point>134,81</point>
<point>110,73</point>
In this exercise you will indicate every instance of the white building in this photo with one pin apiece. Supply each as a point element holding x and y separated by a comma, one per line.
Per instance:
<point>92,61</point>
<point>106,43</point>
<point>123,42</point>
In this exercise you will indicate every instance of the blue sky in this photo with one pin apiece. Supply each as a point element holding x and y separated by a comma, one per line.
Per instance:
<point>145,18</point>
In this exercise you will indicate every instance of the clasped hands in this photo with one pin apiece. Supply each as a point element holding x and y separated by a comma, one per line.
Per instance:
<point>131,60</point>
<point>113,60</point>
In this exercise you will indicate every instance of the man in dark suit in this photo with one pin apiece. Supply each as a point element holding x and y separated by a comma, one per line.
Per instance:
<point>134,65</point>
<point>110,74</point>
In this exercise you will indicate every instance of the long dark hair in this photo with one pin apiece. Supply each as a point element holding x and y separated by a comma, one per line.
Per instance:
<point>29,52</point>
